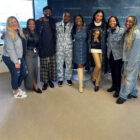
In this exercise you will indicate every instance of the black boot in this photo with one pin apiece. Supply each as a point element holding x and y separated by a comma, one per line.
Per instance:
<point>51,84</point>
<point>45,86</point>
<point>120,100</point>
<point>130,96</point>
<point>96,88</point>
<point>116,94</point>
<point>111,89</point>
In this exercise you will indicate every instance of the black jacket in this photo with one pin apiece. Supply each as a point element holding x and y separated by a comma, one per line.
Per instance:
<point>103,37</point>
<point>43,50</point>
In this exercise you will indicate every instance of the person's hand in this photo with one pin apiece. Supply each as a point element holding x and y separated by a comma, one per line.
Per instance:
<point>40,19</point>
<point>84,25</point>
<point>3,35</point>
<point>17,65</point>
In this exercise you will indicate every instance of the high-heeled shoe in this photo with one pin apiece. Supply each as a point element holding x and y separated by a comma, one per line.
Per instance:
<point>38,90</point>
<point>96,88</point>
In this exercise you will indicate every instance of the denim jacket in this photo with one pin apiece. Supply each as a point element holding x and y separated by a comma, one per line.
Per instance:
<point>64,38</point>
<point>114,43</point>
<point>13,48</point>
<point>132,57</point>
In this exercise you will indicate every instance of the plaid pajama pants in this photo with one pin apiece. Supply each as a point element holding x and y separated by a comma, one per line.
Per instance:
<point>48,69</point>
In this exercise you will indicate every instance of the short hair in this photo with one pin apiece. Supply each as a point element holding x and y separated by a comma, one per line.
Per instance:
<point>47,7</point>
<point>66,11</point>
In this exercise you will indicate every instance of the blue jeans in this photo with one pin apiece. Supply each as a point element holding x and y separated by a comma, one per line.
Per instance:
<point>130,82</point>
<point>17,74</point>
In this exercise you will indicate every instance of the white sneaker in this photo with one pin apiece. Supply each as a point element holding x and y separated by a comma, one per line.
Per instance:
<point>22,92</point>
<point>19,95</point>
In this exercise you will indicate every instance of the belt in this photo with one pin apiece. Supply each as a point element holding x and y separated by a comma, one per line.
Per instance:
<point>32,49</point>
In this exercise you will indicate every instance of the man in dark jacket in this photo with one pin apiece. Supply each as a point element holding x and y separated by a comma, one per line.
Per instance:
<point>46,29</point>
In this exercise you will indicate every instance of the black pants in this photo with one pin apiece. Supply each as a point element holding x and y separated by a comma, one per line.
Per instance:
<point>115,66</point>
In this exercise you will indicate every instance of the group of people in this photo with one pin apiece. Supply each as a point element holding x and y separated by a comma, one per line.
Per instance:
<point>63,43</point>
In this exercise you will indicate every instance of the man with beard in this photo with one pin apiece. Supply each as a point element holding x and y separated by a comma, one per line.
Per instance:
<point>64,48</point>
<point>46,29</point>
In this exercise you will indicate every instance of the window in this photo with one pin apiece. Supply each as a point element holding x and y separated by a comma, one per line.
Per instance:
<point>39,5</point>
<point>21,9</point>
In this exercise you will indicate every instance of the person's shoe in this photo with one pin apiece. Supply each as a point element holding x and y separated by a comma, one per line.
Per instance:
<point>69,82</point>
<point>22,92</point>
<point>38,90</point>
<point>51,84</point>
<point>130,96</point>
<point>111,89</point>
<point>120,100</point>
<point>81,90</point>
<point>45,86</point>
<point>20,95</point>
<point>116,94</point>
<point>60,83</point>
<point>96,88</point>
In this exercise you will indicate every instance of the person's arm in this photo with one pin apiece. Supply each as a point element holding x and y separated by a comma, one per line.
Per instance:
<point>135,51</point>
<point>89,34</point>
<point>54,31</point>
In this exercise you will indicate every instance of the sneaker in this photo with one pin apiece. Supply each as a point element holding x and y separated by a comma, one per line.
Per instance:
<point>20,95</point>
<point>60,83</point>
<point>22,92</point>
<point>69,82</point>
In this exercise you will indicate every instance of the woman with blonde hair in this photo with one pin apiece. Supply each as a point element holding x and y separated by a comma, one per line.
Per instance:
<point>131,58</point>
<point>13,53</point>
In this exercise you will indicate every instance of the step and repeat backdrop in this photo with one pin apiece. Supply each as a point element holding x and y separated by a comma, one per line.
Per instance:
<point>119,8</point>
